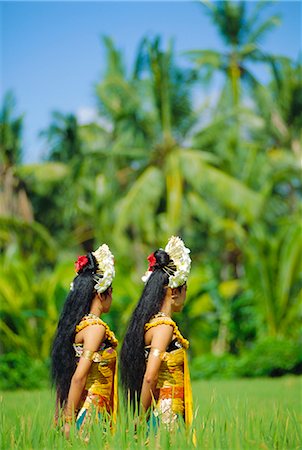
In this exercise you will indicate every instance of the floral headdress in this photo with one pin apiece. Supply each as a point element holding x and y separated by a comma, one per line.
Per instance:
<point>179,266</point>
<point>103,271</point>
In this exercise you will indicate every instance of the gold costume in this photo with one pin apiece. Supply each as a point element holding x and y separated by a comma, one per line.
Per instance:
<point>174,387</point>
<point>100,393</point>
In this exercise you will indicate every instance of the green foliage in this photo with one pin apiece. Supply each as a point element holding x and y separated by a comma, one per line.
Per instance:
<point>151,164</point>
<point>272,357</point>
<point>276,264</point>
<point>19,371</point>
<point>31,299</point>
<point>10,132</point>
<point>269,357</point>
<point>211,366</point>
<point>241,30</point>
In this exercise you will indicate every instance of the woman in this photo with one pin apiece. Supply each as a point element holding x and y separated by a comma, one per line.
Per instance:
<point>154,369</point>
<point>83,355</point>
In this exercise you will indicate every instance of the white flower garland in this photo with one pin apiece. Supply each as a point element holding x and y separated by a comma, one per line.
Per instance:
<point>179,254</point>
<point>105,261</point>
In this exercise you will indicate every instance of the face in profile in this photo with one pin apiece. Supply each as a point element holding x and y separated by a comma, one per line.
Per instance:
<point>179,297</point>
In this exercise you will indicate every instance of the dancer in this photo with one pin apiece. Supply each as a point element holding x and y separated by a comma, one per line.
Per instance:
<point>154,368</point>
<point>84,359</point>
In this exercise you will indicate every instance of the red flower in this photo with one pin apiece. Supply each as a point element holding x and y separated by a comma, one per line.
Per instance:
<point>81,262</point>
<point>152,261</point>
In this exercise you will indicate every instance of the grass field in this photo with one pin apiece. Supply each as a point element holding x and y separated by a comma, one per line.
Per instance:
<point>235,414</point>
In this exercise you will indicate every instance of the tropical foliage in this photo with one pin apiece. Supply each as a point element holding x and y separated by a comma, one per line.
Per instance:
<point>152,163</point>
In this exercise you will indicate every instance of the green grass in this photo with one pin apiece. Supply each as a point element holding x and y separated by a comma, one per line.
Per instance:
<point>235,414</point>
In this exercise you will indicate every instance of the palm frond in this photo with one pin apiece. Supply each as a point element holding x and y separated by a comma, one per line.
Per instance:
<point>174,188</point>
<point>259,33</point>
<point>138,207</point>
<point>33,236</point>
<point>114,60</point>
<point>206,57</point>
<point>289,267</point>
<point>221,187</point>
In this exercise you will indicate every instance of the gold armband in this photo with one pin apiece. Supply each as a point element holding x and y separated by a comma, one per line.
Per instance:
<point>157,353</point>
<point>88,354</point>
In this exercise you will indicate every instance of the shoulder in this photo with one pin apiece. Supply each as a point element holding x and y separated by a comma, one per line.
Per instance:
<point>164,323</point>
<point>161,322</point>
<point>91,321</point>
<point>95,326</point>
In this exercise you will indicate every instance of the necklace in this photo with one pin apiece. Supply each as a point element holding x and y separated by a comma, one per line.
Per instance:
<point>93,316</point>
<point>161,314</point>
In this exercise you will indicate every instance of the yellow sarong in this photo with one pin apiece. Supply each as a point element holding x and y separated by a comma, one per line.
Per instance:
<point>100,392</point>
<point>175,393</point>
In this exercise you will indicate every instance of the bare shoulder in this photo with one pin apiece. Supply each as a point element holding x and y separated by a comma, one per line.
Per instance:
<point>162,335</point>
<point>93,336</point>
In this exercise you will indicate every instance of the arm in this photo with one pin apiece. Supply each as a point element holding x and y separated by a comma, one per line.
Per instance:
<point>161,338</point>
<point>94,335</point>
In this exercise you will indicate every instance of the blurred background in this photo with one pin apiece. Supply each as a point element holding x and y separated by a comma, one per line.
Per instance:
<point>127,122</point>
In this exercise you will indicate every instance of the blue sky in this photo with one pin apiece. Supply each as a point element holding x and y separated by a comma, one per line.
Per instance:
<point>51,52</point>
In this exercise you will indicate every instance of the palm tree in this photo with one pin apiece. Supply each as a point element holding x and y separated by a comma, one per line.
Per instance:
<point>172,176</point>
<point>19,230</point>
<point>62,136</point>
<point>14,201</point>
<point>11,132</point>
<point>280,104</point>
<point>242,34</point>
<point>165,92</point>
<point>71,199</point>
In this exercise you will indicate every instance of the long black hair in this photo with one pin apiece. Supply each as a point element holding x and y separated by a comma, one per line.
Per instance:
<point>76,306</point>
<point>132,357</point>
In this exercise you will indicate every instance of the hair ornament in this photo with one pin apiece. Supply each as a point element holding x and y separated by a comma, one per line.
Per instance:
<point>179,254</point>
<point>169,269</point>
<point>80,263</point>
<point>105,271</point>
<point>146,276</point>
<point>179,266</point>
<point>152,261</point>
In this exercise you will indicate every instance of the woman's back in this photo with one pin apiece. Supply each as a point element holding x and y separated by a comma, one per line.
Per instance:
<point>153,356</point>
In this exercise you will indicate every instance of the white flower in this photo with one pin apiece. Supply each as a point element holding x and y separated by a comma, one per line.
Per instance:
<point>105,272</point>
<point>179,254</point>
<point>146,277</point>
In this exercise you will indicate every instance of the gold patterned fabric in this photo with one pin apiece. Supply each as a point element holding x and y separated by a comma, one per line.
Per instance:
<point>174,387</point>
<point>100,393</point>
